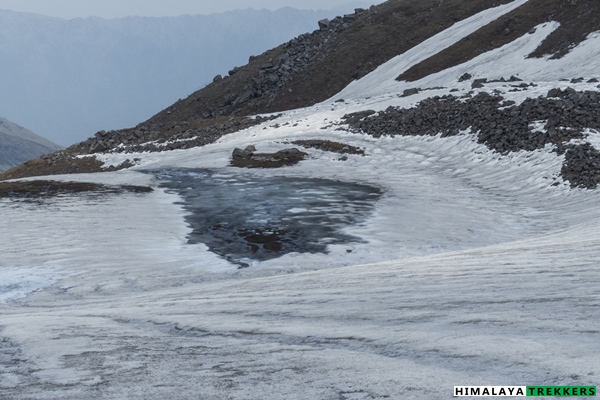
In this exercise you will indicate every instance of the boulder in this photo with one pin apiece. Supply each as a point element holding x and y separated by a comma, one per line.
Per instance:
<point>478,83</point>
<point>465,77</point>
<point>410,92</point>
<point>324,24</point>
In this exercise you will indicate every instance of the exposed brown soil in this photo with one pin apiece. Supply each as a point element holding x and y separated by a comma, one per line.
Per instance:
<point>374,38</point>
<point>42,188</point>
<point>65,164</point>
<point>578,18</point>
<point>279,159</point>
<point>328,145</point>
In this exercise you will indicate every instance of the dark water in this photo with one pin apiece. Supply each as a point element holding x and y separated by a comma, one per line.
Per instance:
<point>245,218</point>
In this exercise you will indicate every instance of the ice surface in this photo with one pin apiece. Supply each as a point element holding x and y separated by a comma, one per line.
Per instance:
<point>16,283</point>
<point>476,271</point>
<point>246,217</point>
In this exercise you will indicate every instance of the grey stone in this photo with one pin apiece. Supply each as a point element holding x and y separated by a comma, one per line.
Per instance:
<point>244,97</point>
<point>410,92</point>
<point>324,24</point>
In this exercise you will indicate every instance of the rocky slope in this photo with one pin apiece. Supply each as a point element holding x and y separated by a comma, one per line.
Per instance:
<point>504,126</point>
<point>18,145</point>
<point>315,66</point>
<point>473,252</point>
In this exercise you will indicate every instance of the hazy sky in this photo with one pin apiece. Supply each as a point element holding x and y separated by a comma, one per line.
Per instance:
<point>121,8</point>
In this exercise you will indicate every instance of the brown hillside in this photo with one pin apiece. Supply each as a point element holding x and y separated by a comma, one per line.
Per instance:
<point>307,70</point>
<point>371,39</point>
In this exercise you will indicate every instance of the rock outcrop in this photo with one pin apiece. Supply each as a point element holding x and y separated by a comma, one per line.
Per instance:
<point>247,158</point>
<point>558,119</point>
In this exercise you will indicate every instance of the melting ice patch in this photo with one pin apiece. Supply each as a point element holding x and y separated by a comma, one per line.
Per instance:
<point>17,283</point>
<point>246,218</point>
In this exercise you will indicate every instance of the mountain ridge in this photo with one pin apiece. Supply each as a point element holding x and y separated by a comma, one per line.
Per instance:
<point>18,144</point>
<point>70,78</point>
<point>271,81</point>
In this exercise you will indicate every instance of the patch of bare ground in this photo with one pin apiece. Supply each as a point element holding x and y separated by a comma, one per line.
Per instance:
<point>578,18</point>
<point>328,145</point>
<point>44,188</point>
<point>370,39</point>
<point>247,158</point>
<point>61,164</point>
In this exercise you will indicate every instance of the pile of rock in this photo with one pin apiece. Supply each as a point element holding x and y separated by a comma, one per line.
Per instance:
<point>297,55</point>
<point>152,138</point>
<point>46,188</point>
<point>582,166</point>
<point>502,126</point>
<point>328,145</point>
<point>247,158</point>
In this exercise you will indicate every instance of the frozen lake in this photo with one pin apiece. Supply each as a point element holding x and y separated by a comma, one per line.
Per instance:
<point>245,218</point>
<point>474,270</point>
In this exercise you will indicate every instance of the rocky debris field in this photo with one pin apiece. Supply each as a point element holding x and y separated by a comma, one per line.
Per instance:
<point>503,126</point>
<point>61,163</point>
<point>143,138</point>
<point>43,188</point>
<point>298,54</point>
<point>247,158</point>
<point>328,145</point>
<point>152,138</point>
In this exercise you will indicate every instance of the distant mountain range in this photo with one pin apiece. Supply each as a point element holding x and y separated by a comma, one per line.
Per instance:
<point>18,144</point>
<point>67,79</point>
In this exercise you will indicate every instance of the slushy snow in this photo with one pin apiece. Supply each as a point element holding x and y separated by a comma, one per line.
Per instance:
<point>476,270</point>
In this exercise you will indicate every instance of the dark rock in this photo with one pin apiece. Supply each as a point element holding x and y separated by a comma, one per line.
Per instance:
<point>465,77</point>
<point>98,147</point>
<point>281,158</point>
<point>478,83</point>
<point>354,118</point>
<point>328,145</point>
<point>244,97</point>
<point>239,153</point>
<point>324,24</point>
<point>502,126</point>
<point>554,93</point>
<point>410,92</point>
<point>217,78</point>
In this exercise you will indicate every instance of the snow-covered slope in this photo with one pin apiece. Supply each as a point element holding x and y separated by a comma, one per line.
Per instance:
<point>474,269</point>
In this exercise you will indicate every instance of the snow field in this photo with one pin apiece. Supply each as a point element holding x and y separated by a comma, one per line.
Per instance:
<point>476,272</point>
